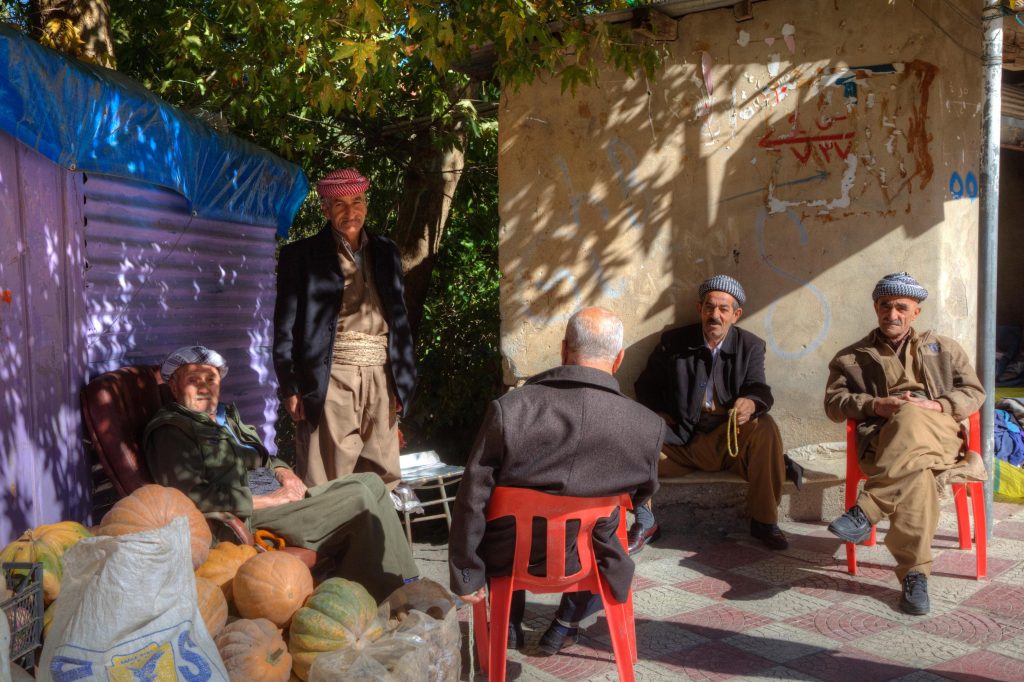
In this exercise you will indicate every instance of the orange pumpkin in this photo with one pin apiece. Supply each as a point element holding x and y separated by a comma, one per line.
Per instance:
<point>271,585</point>
<point>45,544</point>
<point>223,563</point>
<point>212,605</point>
<point>154,506</point>
<point>254,650</point>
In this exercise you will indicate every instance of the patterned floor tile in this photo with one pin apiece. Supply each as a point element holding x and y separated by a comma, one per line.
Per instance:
<point>727,555</point>
<point>841,623</point>
<point>1009,529</point>
<point>969,627</point>
<point>781,642</point>
<point>782,605</point>
<point>837,587</point>
<point>1013,576</point>
<point>981,665</point>
<point>719,621</point>
<point>1014,648</point>
<point>949,592</point>
<point>959,563</point>
<point>660,602</point>
<point>726,585</point>
<point>1000,599</point>
<point>816,558</point>
<point>867,570</point>
<point>713,661</point>
<point>917,649</point>
<point>779,672</point>
<point>657,639</point>
<point>922,676</point>
<point>672,570</point>
<point>777,570</point>
<point>1005,548</point>
<point>886,606</point>
<point>576,663</point>
<point>643,671</point>
<point>642,583</point>
<point>850,665</point>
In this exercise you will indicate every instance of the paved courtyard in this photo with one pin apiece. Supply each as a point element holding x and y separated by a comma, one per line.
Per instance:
<point>716,605</point>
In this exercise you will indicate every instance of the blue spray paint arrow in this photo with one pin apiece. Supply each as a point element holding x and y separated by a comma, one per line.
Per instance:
<point>819,176</point>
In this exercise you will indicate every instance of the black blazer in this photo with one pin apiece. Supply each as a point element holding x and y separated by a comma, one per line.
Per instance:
<point>567,431</point>
<point>309,288</point>
<point>675,378</point>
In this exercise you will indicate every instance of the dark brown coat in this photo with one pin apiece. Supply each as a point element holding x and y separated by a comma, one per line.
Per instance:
<point>567,431</point>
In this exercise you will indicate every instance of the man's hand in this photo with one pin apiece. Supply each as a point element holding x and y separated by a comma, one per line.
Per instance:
<point>291,482</point>
<point>924,403</point>
<point>887,407</point>
<point>475,597</point>
<point>745,408</point>
<point>296,410</point>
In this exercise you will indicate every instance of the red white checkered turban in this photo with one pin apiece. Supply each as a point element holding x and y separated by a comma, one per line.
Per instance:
<point>342,183</point>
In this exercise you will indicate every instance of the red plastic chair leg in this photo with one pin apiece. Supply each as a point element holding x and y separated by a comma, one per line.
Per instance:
<point>963,517</point>
<point>501,603</point>
<point>483,649</point>
<point>619,628</point>
<point>980,528</point>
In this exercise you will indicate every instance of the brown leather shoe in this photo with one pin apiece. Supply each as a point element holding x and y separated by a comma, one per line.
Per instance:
<point>638,537</point>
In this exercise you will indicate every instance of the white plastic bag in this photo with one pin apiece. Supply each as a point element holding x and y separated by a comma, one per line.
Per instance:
<point>5,649</point>
<point>127,611</point>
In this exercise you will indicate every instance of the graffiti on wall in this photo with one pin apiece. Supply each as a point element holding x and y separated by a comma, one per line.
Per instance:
<point>963,186</point>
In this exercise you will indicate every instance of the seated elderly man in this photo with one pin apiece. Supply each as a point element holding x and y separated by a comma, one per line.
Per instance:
<point>200,446</point>
<point>909,390</point>
<point>567,431</point>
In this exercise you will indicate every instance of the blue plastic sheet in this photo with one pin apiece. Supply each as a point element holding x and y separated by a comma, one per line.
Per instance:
<point>88,118</point>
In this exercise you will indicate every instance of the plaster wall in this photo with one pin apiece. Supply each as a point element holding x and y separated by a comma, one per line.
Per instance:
<point>807,153</point>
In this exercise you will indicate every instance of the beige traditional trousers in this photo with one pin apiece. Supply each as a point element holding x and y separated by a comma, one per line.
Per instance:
<point>759,462</point>
<point>913,446</point>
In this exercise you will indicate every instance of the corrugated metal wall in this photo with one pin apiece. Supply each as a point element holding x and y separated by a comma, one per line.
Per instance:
<point>97,273</point>
<point>158,278</point>
<point>44,474</point>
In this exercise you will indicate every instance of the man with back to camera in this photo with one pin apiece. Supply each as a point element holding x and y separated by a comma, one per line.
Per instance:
<point>343,348</point>
<point>694,377</point>
<point>566,431</point>
<point>909,390</point>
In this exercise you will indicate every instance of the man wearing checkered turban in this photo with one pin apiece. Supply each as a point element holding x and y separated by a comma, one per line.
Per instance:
<point>909,390</point>
<point>708,381</point>
<point>343,347</point>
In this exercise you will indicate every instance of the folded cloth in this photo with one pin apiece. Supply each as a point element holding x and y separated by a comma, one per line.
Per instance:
<point>262,481</point>
<point>968,469</point>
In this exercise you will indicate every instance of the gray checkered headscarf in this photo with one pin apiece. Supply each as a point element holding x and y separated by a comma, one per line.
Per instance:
<point>193,355</point>
<point>723,283</point>
<point>899,284</point>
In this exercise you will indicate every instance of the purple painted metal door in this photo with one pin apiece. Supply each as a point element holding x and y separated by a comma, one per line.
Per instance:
<point>44,473</point>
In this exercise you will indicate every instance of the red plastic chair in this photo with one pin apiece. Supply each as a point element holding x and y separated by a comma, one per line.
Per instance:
<point>524,504</point>
<point>854,475</point>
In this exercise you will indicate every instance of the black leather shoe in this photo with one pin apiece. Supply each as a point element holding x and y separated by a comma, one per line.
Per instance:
<point>558,637</point>
<point>770,535</point>
<point>638,537</point>
<point>516,638</point>
<point>914,599</point>
<point>853,526</point>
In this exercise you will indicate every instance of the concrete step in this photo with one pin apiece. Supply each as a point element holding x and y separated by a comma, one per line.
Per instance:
<point>719,498</point>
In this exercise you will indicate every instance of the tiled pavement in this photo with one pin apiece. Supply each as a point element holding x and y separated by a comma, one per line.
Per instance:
<point>721,607</point>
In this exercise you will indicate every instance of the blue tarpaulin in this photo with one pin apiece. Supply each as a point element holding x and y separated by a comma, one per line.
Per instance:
<point>89,118</point>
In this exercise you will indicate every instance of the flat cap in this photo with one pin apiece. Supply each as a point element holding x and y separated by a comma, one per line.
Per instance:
<point>723,283</point>
<point>899,284</point>
<point>193,355</point>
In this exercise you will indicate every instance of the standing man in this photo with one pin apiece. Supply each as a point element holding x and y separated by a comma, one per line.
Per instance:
<point>343,348</point>
<point>567,431</point>
<point>909,390</point>
<point>707,380</point>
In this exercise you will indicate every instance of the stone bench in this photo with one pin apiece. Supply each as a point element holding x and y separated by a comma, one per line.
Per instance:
<point>719,497</point>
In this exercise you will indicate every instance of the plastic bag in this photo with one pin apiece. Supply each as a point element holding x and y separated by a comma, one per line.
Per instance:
<point>1008,485</point>
<point>5,649</point>
<point>386,660</point>
<point>128,611</point>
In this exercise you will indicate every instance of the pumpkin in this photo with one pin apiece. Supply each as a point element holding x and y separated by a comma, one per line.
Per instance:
<point>271,585</point>
<point>45,544</point>
<point>154,506</point>
<point>212,605</point>
<point>222,564</point>
<point>340,614</point>
<point>254,650</point>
